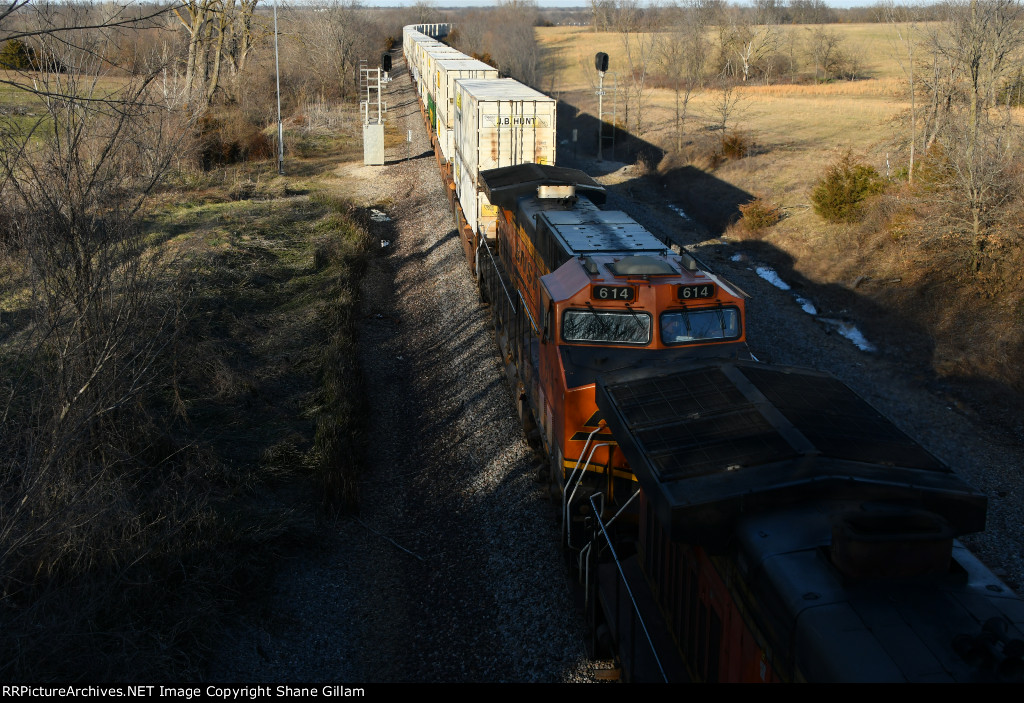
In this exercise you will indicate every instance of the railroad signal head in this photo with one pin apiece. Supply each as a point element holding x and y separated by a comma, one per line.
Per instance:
<point>385,63</point>
<point>601,62</point>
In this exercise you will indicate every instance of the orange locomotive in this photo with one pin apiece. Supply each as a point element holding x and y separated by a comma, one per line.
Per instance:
<point>595,292</point>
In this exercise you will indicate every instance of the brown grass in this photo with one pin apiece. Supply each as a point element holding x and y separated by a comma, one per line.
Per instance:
<point>960,313</point>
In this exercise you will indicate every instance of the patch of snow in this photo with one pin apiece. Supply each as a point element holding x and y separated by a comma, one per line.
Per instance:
<point>769,275</point>
<point>806,305</point>
<point>679,211</point>
<point>737,257</point>
<point>850,331</point>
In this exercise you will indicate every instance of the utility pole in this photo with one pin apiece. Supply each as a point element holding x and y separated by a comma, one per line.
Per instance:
<point>601,64</point>
<point>280,128</point>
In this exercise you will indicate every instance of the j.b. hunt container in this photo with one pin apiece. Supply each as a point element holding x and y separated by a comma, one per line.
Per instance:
<point>446,72</point>
<point>498,122</point>
<point>481,216</point>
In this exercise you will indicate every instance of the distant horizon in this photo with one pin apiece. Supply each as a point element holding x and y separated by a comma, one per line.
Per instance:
<point>582,4</point>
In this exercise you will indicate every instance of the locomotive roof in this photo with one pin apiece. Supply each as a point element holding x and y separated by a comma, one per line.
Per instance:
<point>584,229</point>
<point>711,441</point>
<point>505,186</point>
<point>855,630</point>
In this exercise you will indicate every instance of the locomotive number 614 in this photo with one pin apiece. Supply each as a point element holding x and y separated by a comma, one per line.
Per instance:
<point>627,293</point>
<point>704,290</point>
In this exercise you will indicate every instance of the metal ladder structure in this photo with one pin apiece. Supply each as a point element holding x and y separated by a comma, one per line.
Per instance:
<point>373,80</point>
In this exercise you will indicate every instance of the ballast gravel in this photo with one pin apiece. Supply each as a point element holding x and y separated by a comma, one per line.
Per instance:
<point>451,571</point>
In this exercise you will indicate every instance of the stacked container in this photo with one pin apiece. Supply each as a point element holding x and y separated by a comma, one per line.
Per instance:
<point>428,73</point>
<point>446,72</point>
<point>420,62</point>
<point>498,122</point>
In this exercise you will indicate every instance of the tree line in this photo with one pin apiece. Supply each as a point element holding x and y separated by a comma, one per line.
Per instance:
<point>963,64</point>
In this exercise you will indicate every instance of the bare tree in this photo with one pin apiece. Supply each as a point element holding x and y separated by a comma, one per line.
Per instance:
<point>197,17</point>
<point>423,11</point>
<point>726,105</point>
<point>682,54</point>
<point>602,14</point>
<point>905,28</point>
<point>810,12</point>
<point>505,35</point>
<point>791,41</point>
<point>754,43</point>
<point>825,49</point>
<point>218,31</point>
<point>241,34</point>
<point>638,40</point>
<point>99,307</point>
<point>334,40</point>
<point>978,49</point>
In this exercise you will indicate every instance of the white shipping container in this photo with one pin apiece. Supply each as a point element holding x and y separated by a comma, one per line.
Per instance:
<point>433,56</point>
<point>414,54</point>
<point>498,122</point>
<point>446,72</point>
<point>503,123</point>
<point>410,36</point>
<point>480,214</point>
<point>445,138</point>
<point>428,47</point>
<point>420,61</point>
<point>464,183</point>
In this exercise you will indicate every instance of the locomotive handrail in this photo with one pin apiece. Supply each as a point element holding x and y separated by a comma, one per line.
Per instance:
<point>494,267</point>
<point>629,591</point>
<point>568,501</point>
<point>583,561</point>
<point>533,323</point>
<point>624,506</point>
<point>572,476</point>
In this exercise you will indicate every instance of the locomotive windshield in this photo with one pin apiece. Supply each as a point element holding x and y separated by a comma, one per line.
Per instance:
<point>689,326</point>
<point>606,327</point>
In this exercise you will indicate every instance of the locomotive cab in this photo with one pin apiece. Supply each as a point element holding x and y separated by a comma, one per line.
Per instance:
<point>600,313</point>
<point>601,293</point>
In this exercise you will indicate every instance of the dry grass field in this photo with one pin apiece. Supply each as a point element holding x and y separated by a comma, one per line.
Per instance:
<point>798,125</point>
<point>795,130</point>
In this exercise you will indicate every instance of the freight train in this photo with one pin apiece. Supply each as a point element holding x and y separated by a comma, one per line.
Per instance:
<point>729,520</point>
